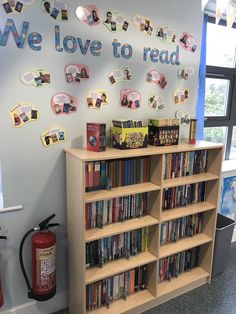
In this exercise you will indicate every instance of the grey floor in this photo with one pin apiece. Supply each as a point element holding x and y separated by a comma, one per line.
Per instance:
<point>219,298</point>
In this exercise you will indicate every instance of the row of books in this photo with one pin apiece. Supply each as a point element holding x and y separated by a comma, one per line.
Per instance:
<point>163,122</point>
<point>179,263</point>
<point>122,245</point>
<point>180,228</point>
<point>101,213</point>
<point>185,164</point>
<point>114,173</point>
<point>183,195</point>
<point>104,292</point>
<point>122,123</point>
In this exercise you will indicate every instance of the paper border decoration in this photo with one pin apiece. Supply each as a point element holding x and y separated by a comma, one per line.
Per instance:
<point>185,72</point>
<point>76,73</point>
<point>156,77</point>
<point>96,99</point>
<point>22,114</point>
<point>120,74</point>
<point>220,8</point>
<point>88,14</point>
<point>64,104</point>
<point>156,101</point>
<point>143,24</point>
<point>115,21</point>
<point>183,117</point>
<point>231,14</point>
<point>181,95</point>
<point>130,99</point>
<point>36,78</point>
<point>166,35</point>
<point>53,135</point>
<point>56,9</point>
<point>188,42</point>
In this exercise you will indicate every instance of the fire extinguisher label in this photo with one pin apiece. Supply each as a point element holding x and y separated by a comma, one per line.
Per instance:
<point>46,268</point>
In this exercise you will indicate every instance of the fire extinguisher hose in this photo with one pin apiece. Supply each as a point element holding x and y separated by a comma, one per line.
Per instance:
<point>21,258</point>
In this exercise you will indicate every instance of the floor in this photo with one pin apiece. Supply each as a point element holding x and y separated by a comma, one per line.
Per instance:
<point>219,298</point>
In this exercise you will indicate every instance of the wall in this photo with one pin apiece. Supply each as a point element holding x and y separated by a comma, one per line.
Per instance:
<point>34,175</point>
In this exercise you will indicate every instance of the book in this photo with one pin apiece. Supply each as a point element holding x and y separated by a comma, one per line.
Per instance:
<point>96,137</point>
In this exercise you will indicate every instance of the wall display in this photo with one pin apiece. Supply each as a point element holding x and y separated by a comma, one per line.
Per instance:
<point>96,99</point>
<point>185,73</point>
<point>75,73</point>
<point>63,103</point>
<point>88,14</point>
<point>183,117</point>
<point>156,102</point>
<point>158,78</point>
<point>143,24</point>
<point>228,201</point>
<point>115,21</point>
<point>181,96</point>
<point>130,99</point>
<point>188,42</point>
<point>37,78</point>
<point>120,74</point>
<point>22,114</point>
<point>16,6</point>
<point>166,34</point>
<point>53,135</point>
<point>57,9</point>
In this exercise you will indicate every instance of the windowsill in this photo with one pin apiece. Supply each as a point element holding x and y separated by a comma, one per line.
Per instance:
<point>228,165</point>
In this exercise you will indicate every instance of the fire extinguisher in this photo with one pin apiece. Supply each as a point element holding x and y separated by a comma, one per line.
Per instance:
<point>43,261</point>
<point>1,291</point>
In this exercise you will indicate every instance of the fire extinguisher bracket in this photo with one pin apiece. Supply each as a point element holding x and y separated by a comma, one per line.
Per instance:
<point>43,261</point>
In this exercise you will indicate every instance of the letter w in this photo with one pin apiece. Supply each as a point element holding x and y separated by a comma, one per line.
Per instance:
<point>10,26</point>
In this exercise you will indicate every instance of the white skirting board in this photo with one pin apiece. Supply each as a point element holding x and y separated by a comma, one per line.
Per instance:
<point>59,302</point>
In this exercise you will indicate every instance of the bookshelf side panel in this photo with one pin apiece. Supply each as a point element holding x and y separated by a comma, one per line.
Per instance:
<point>76,234</point>
<point>156,169</point>
<point>214,161</point>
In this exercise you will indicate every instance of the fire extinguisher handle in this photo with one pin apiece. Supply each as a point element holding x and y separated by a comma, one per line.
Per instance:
<point>53,225</point>
<point>21,258</point>
<point>3,237</point>
<point>45,222</point>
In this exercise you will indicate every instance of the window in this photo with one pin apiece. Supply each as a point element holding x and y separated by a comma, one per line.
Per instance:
<point>220,96</point>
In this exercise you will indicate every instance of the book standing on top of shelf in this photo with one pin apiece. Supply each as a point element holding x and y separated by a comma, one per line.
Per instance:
<point>96,137</point>
<point>120,172</point>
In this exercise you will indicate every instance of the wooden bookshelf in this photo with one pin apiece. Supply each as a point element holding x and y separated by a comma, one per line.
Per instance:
<point>156,292</point>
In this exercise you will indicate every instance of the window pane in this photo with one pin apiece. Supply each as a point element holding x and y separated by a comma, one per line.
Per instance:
<point>233,145</point>
<point>216,134</point>
<point>221,43</point>
<point>216,97</point>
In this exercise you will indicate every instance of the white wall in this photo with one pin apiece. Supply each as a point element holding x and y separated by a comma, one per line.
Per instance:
<point>35,176</point>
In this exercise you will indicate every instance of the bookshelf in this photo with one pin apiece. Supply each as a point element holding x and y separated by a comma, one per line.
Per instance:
<point>156,292</point>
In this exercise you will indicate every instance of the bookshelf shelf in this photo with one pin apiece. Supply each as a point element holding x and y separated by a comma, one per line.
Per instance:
<point>183,244</point>
<point>136,300</point>
<point>156,292</point>
<point>120,191</point>
<point>191,277</point>
<point>196,178</point>
<point>119,266</point>
<point>120,227</point>
<point>171,214</point>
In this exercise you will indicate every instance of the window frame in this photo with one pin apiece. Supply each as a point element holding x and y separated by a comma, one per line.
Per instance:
<point>229,120</point>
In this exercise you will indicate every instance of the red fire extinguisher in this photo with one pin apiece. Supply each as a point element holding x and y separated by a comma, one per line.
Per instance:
<point>1,291</point>
<point>43,261</point>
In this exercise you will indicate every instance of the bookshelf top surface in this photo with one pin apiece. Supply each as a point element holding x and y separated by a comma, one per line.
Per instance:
<point>113,153</point>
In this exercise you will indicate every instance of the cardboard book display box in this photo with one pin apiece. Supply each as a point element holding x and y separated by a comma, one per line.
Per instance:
<point>96,137</point>
<point>163,132</point>
<point>129,138</point>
